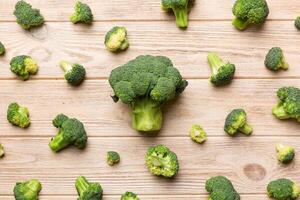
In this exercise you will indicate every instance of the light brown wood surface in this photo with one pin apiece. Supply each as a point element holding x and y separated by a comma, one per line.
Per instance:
<point>250,162</point>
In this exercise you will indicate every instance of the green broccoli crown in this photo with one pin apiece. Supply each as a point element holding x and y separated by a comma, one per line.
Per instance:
<point>275,60</point>
<point>197,134</point>
<point>180,9</point>
<point>283,189</point>
<point>2,49</point>
<point>285,154</point>
<point>116,39</point>
<point>161,161</point>
<point>27,190</point>
<point>23,66</point>
<point>74,73</point>
<point>145,83</point>
<point>220,188</point>
<point>249,12</point>
<point>71,132</point>
<point>87,190</point>
<point>2,152</point>
<point>236,121</point>
<point>18,115</point>
<point>297,23</point>
<point>27,16</point>
<point>129,196</point>
<point>112,157</point>
<point>83,14</point>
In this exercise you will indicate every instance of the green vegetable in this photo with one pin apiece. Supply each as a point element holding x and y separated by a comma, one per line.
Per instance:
<point>112,158</point>
<point>74,73</point>
<point>116,39</point>
<point>197,134</point>
<point>87,190</point>
<point>283,189</point>
<point>2,152</point>
<point>2,49</point>
<point>27,16</point>
<point>222,72</point>
<point>18,115</point>
<point>297,23</point>
<point>71,132</point>
<point>220,188</point>
<point>82,14</point>
<point>285,154</point>
<point>145,84</point>
<point>275,60</point>
<point>27,190</point>
<point>23,66</point>
<point>249,12</point>
<point>129,196</point>
<point>236,121</point>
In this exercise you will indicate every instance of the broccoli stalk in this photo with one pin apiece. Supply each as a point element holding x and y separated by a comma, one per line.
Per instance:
<point>74,73</point>
<point>88,191</point>
<point>279,111</point>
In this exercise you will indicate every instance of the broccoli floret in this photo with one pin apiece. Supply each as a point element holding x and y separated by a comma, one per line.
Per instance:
<point>74,73</point>
<point>297,23</point>
<point>116,39</point>
<point>283,189</point>
<point>275,60</point>
<point>2,152</point>
<point>23,66</point>
<point>27,16</point>
<point>112,158</point>
<point>87,190</point>
<point>2,49</point>
<point>222,72</point>
<point>71,132</point>
<point>285,154</point>
<point>129,196</point>
<point>236,121</point>
<point>82,14</point>
<point>197,134</point>
<point>28,190</point>
<point>18,115</point>
<point>146,83</point>
<point>220,188</point>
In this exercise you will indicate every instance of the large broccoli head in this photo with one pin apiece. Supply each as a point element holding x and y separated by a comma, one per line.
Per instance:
<point>23,66</point>
<point>2,49</point>
<point>275,59</point>
<point>28,190</point>
<point>112,158</point>
<point>116,39</point>
<point>297,23</point>
<point>82,14</point>
<point>145,83</point>
<point>74,73</point>
<point>248,12</point>
<point>71,132</point>
<point>236,121</point>
<point>220,188</point>
<point>197,134</point>
<point>87,190</point>
<point>283,189</point>
<point>129,196</point>
<point>285,154</point>
<point>18,115</point>
<point>27,16</point>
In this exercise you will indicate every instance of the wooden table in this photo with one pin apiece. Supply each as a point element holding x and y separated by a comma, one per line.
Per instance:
<point>250,162</point>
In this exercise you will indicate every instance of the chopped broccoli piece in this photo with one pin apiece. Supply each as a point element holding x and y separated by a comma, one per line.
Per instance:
<point>74,73</point>
<point>297,23</point>
<point>27,16</point>
<point>2,49</point>
<point>220,188</point>
<point>23,66</point>
<point>146,83</point>
<point>112,158</point>
<point>71,132</point>
<point>249,12</point>
<point>28,190</point>
<point>236,121</point>
<point>285,154</point>
<point>283,189</point>
<point>129,196</point>
<point>2,152</point>
<point>197,134</point>
<point>87,190</point>
<point>275,60</point>
<point>18,115</point>
<point>116,39</point>
<point>82,14</point>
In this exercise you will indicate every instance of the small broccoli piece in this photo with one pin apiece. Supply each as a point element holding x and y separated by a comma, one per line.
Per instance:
<point>297,23</point>
<point>275,60</point>
<point>71,132</point>
<point>28,190</point>
<point>74,73</point>
<point>222,72</point>
<point>220,188</point>
<point>2,49</point>
<point>236,121</point>
<point>285,154</point>
<point>116,39</point>
<point>18,115</point>
<point>23,66</point>
<point>283,189</point>
<point>249,12</point>
<point>82,14</point>
<point>87,190</point>
<point>129,196</point>
<point>27,16</point>
<point>112,158</point>
<point>2,152</point>
<point>197,134</point>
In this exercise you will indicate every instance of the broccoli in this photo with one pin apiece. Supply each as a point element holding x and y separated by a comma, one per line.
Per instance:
<point>74,73</point>
<point>129,196</point>
<point>2,152</point>
<point>87,190</point>
<point>18,115</point>
<point>197,134</point>
<point>2,49</point>
<point>28,190</point>
<point>297,23</point>
<point>116,39</point>
<point>146,83</point>
<point>71,132</point>
<point>83,14</point>
<point>161,161</point>
<point>27,16</point>
<point>23,66</point>
<point>220,188</point>
<point>285,154</point>
<point>283,189</point>
<point>112,157</point>
<point>275,60</point>
<point>236,121</point>
<point>222,72</point>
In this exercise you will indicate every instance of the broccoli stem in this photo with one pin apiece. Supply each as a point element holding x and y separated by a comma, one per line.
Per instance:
<point>58,142</point>
<point>246,129</point>
<point>124,45</point>
<point>34,185</point>
<point>240,24</point>
<point>181,16</point>
<point>279,112</point>
<point>283,64</point>
<point>215,62</point>
<point>66,66</point>
<point>81,185</point>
